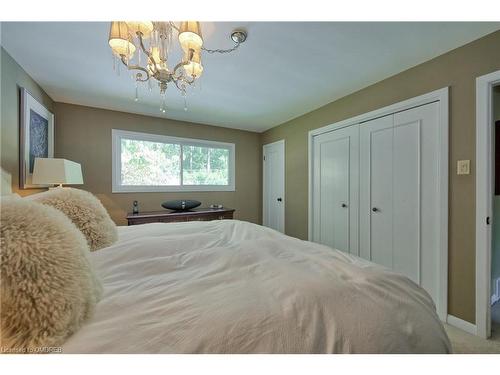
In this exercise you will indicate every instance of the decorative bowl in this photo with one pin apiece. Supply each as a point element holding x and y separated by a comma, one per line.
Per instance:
<point>181,205</point>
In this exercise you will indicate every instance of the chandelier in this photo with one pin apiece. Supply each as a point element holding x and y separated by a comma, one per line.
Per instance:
<point>144,47</point>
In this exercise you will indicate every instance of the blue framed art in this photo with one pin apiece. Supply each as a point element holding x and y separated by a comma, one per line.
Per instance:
<point>36,137</point>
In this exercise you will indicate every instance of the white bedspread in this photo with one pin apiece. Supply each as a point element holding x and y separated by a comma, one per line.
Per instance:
<point>235,287</point>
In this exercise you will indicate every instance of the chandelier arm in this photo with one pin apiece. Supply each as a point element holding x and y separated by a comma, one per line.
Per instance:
<point>173,25</point>
<point>176,82</point>
<point>124,60</point>
<point>141,44</point>
<point>135,67</point>
<point>138,76</point>
<point>185,80</point>
<point>145,51</point>
<point>179,65</point>
<point>190,82</point>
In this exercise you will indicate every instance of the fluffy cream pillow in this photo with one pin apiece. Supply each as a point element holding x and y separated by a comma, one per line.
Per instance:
<point>47,285</point>
<point>85,211</point>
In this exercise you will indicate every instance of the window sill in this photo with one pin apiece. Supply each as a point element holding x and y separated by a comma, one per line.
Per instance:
<point>170,189</point>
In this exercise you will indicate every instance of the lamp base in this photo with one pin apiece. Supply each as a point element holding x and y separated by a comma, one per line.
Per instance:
<point>55,187</point>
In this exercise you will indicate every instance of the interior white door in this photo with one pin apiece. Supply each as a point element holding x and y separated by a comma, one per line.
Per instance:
<point>335,202</point>
<point>274,185</point>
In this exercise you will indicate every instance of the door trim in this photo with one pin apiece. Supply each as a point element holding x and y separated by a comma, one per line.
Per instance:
<point>440,96</point>
<point>280,142</point>
<point>484,199</point>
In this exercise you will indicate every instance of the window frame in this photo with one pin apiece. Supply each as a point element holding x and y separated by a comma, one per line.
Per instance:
<point>117,135</point>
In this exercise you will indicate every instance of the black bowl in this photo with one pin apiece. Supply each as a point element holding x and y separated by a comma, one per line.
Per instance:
<point>183,205</point>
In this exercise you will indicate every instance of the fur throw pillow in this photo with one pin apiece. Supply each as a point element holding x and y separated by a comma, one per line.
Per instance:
<point>47,286</point>
<point>85,211</point>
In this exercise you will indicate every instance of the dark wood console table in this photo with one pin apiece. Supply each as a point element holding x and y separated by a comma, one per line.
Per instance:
<point>167,216</point>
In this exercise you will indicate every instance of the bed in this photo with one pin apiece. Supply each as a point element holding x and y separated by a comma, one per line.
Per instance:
<point>234,287</point>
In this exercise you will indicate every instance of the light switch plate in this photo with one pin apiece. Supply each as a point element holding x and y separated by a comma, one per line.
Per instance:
<point>463,167</point>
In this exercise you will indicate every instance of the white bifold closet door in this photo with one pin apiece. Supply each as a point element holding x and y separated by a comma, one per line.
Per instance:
<point>335,198</point>
<point>399,190</point>
<point>376,192</point>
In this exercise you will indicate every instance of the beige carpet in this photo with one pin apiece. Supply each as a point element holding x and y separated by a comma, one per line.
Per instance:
<point>465,343</point>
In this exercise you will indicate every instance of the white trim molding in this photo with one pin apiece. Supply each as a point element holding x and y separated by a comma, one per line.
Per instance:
<point>484,198</point>
<point>461,324</point>
<point>117,187</point>
<point>441,96</point>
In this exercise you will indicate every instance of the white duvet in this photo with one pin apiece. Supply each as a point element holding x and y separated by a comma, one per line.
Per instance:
<point>235,287</point>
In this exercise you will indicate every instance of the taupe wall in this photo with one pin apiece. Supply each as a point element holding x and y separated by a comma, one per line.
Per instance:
<point>457,69</point>
<point>83,134</point>
<point>12,78</point>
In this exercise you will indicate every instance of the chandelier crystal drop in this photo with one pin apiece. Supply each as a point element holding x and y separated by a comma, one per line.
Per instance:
<point>131,39</point>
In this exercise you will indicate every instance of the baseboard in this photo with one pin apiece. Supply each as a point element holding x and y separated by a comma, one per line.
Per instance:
<point>461,324</point>
<point>496,295</point>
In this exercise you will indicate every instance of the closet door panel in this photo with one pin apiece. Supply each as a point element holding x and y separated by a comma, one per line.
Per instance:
<point>335,208</point>
<point>376,190</point>
<point>406,199</point>
<point>428,118</point>
<point>381,197</point>
<point>334,168</point>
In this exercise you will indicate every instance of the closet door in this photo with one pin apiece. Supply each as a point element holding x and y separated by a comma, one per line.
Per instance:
<point>399,190</point>
<point>376,190</point>
<point>335,184</point>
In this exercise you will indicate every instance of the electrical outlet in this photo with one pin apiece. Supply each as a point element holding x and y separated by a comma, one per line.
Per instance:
<point>463,167</point>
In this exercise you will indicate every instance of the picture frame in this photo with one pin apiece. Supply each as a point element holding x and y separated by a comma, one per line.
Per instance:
<point>36,137</point>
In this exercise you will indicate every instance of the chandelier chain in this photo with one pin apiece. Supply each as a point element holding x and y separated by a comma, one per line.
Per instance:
<point>221,50</point>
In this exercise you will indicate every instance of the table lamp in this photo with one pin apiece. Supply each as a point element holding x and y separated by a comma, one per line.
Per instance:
<point>53,171</point>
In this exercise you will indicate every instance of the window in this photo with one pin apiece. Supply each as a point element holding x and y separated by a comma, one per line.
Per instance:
<point>147,162</point>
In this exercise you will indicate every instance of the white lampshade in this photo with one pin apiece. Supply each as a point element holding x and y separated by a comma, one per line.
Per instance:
<point>190,35</point>
<point>119,39</point>
<point>51,171</point>
<point>143,27</point>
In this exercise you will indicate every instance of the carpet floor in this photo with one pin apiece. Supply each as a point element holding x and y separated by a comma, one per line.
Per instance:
<point>465,343</point>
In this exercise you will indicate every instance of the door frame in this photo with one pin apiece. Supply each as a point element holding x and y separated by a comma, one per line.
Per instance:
<point>442,97</point>
<point>484,198</point>
<point>281,143</point>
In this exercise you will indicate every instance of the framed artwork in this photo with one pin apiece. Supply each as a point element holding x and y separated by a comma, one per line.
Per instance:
<point>36,137</point>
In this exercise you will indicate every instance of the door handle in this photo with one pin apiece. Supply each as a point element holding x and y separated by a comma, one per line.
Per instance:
<point>279,199</point>
<point>375,209</point>
<point>344,205</point>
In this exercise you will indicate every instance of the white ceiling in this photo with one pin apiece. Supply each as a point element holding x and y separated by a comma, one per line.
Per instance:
<point>283,70</point>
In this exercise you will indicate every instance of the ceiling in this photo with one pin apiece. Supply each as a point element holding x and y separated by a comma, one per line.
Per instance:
<point>283,70</point>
